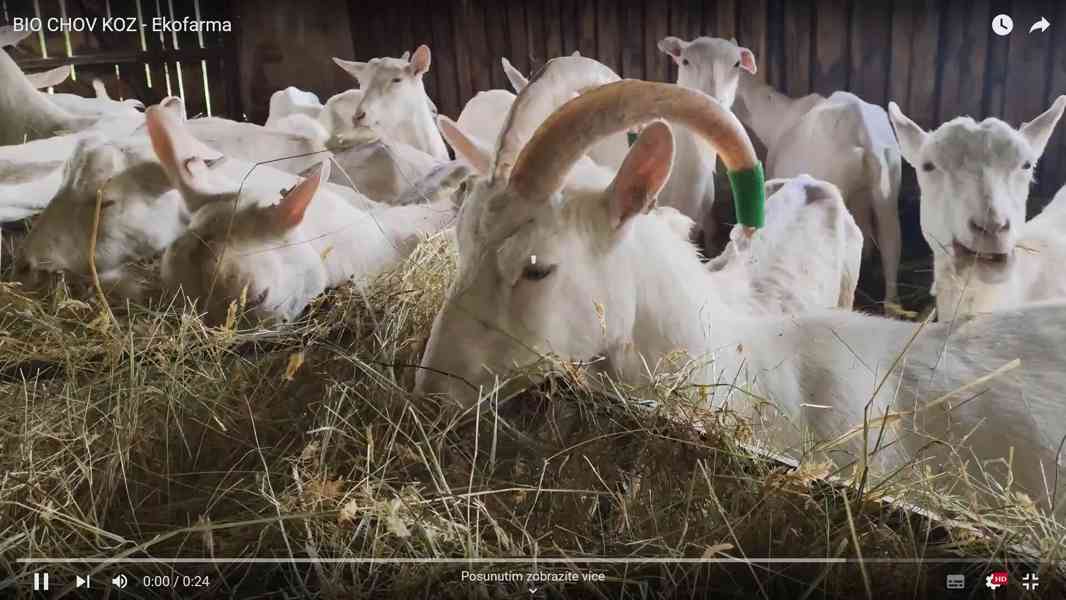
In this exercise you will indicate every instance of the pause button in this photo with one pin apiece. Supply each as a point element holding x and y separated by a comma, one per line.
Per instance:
<point>40,581</point>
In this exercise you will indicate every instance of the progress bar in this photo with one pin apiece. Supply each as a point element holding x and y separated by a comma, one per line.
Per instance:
<point>526,561</point>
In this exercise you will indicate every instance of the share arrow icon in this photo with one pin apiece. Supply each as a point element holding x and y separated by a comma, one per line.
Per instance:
<point>1040,25</point>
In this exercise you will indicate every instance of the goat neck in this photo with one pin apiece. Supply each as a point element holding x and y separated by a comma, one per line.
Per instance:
<point>27,114</point>
<point>766,111</point>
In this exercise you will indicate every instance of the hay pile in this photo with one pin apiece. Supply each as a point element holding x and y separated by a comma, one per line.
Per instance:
<point>150,435</point>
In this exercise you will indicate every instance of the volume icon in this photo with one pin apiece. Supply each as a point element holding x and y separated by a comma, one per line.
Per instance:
<point>120,581</point>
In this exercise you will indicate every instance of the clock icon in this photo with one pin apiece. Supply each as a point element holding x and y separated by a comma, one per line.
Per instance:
<point>1002,24</point>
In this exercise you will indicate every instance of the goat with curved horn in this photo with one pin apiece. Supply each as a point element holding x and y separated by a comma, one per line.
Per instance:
<point>546,160</point>
<point>602,277</point>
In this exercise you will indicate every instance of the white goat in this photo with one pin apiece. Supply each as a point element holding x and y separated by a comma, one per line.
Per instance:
<point>568,77</point>
<point>713,67</point>
<point>805,257</point>
<point>483,116</point>
<point>49,78</point>
<point>338,116</point>
<point>376,165</point>
<point>478,156</point>
<point>840,139</point>
<point>379,160</point>
<point>610,152</point>
<point>31,173</point>
<point>96,107</point>
<point>100,106</point>
<point>975,179</point>
<point>382,170</point>
<point>611,281</point>
<point>141,212</point>
<point>26,114</point>
<point>278,257</point>
<point>290,101</point>
<point>394,101</point>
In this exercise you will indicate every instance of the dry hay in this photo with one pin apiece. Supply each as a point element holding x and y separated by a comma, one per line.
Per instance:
<point>152,435</point>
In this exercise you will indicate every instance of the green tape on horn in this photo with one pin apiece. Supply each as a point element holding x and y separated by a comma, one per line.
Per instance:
<point>749,195</point>
<point>631,138</point>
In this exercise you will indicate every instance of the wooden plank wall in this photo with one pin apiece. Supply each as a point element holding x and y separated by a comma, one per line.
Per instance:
<point>288,43</point>
<point>937,59</point>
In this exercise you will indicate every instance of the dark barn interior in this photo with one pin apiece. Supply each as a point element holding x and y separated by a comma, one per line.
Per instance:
<point>937,60</point>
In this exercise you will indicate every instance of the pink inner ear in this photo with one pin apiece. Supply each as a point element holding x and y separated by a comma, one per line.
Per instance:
<point>161,137</point>
<point>747,61</point>
<point>293,206</point>
<point>420,60</point>
<point>643,173</point>
<point>464,147</point>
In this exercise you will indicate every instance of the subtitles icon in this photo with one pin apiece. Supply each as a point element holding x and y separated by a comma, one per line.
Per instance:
<point>956,581</point>
<point>996,579</point>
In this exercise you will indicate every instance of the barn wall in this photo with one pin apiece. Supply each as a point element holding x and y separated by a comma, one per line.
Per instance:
<point>937,59</point>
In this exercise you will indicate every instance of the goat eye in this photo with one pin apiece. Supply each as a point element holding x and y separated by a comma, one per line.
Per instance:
<point>684,61</point>
<point>928,167</point>
<point>396,80</point>
<point>737,65</point>
<point>1027,165</point>
<point>537,272</point>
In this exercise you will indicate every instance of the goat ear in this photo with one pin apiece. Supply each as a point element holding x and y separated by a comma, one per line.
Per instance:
<point>673,47</point>
<point>49,78</point>
<point>406,55</point>
<point>185,159</point>
<point>354,68</point>
<point>1038,131</point>
<point>642,175</point>
<point>575,53</point>
<point>747,61</point>
<point>419,61</point>
<point>517,79</point>
<point>466,148</point>
<point>293,206</point>
<point>911,137</point>
<point>773,186</point>
<point>175,106</point>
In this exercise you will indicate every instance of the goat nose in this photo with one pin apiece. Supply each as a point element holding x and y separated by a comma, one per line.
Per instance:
<point>989,227</point>
<point>360,116</point>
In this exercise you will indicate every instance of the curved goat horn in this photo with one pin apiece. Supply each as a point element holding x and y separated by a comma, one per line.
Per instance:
<point>569,132</point>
